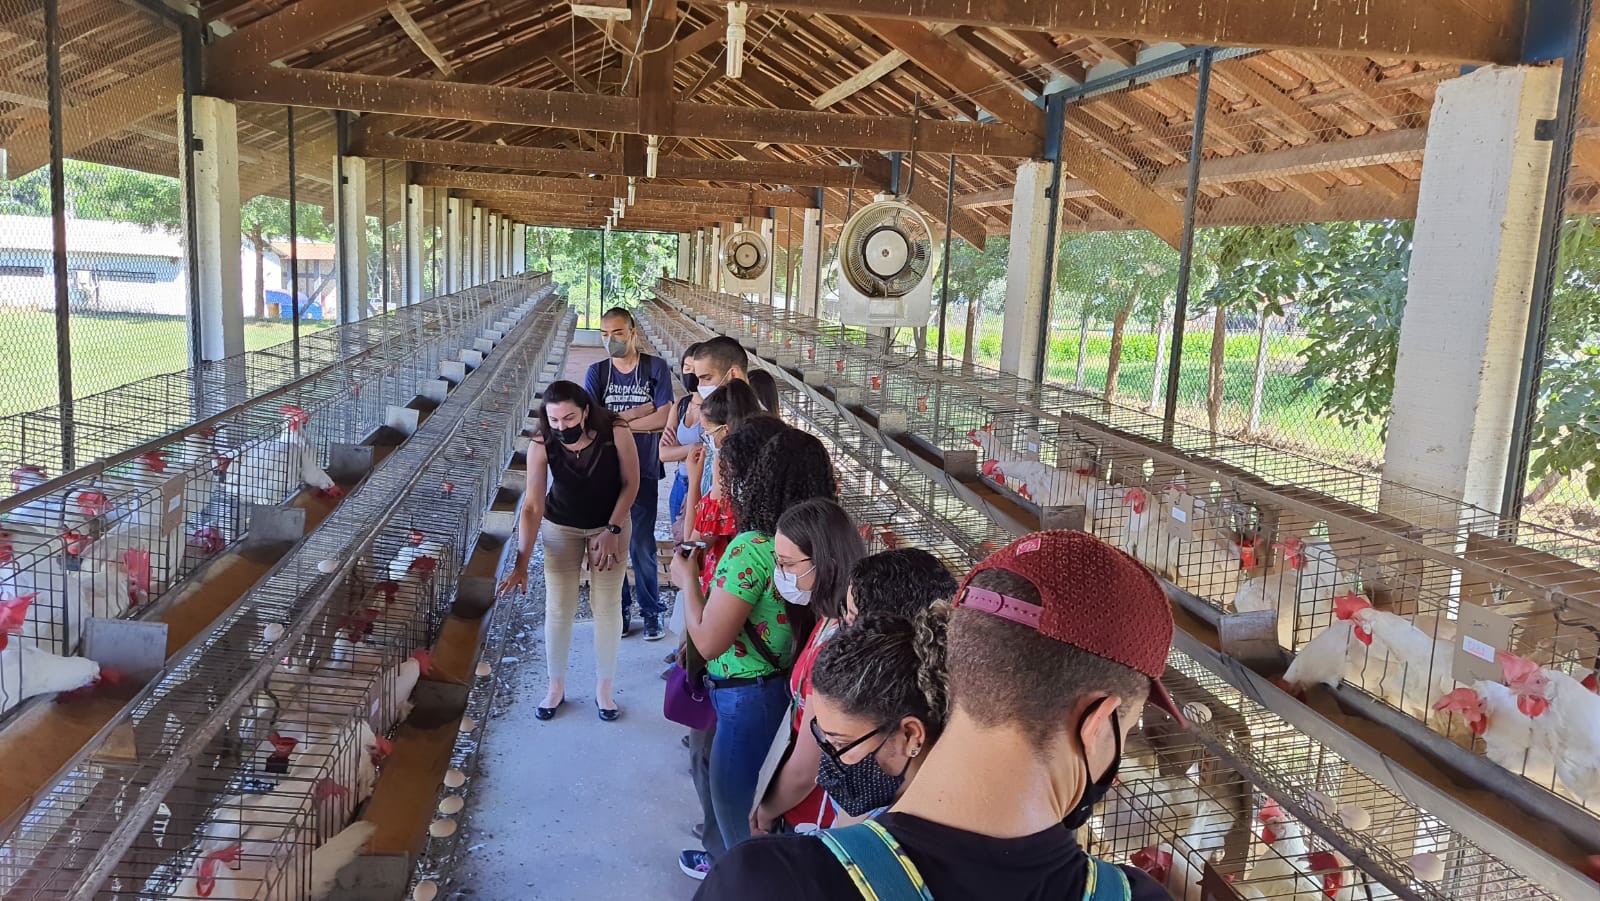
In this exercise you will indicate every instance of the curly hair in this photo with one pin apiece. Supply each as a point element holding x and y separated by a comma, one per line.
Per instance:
<point>900,582</point>
<point>886,668</point>
<point>737,457</point>
<point>794,466</point>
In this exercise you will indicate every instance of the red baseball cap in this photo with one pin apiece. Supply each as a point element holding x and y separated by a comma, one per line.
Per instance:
<point>1095,598</point>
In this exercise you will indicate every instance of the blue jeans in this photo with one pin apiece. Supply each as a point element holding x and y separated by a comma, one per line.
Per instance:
<point>680,493</point>
<point>642,553</point>
<point>747,718</point>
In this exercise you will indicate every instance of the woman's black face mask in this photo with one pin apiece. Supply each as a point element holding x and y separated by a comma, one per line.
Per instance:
<point>690,382</point>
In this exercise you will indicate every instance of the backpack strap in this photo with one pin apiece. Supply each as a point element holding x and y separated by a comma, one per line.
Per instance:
<point>876,863</point>
<point>1106,882</point>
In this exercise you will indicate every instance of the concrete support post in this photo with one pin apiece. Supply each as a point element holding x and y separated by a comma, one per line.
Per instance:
<point>473,271</point>
<point>1473,256</point>
<point>412,290</point>
<point>492,244</point>
<point>505,247</point>
<point>350,218</point>
<point>216,218</point>
<point>519,244</point>
<point>811,263</point>
<point>713,258</point>
<point>768,229</point>
<point>440,199</point>
<point>1025,299</point>
<point>452,244</point>
<point>685,253</point>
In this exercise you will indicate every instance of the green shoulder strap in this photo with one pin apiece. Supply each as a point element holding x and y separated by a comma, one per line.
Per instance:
<point>876,863</point>
<point>1106,882</point>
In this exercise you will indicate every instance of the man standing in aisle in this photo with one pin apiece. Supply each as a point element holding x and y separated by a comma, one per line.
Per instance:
<point>638,388</point>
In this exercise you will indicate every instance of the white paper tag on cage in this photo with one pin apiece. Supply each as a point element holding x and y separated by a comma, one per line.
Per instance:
<point>1481,635</point>
<point>172,504</point>
<point>1032,441</point>
<point>1478,649</point>
<point>1180,516</point>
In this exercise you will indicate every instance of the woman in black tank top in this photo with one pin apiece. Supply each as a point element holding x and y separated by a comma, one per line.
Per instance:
<point>583,475</point>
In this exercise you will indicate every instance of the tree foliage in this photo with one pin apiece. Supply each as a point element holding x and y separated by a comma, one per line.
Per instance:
<point>633,261</point>
<point>94,191</point>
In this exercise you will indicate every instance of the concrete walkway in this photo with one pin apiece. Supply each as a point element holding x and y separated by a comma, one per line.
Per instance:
<point>575,808</point>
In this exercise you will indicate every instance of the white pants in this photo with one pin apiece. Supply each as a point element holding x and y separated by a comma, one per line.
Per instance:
<point>565,552</point>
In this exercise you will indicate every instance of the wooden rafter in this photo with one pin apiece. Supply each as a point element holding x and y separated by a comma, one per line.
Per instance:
<point>611,186</point>
<point>1415,29</point>
<point>558,109</point>
<point>157,91</point>
<point>419,37</point>
<point>540,159</point>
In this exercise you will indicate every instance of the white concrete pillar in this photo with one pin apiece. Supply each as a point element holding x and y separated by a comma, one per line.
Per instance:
<point>492,247</point>
<point>768,229</point>
<point>505,247</point>
<point>350,218</point>
<point>217,239</point>
<point>473,271</point>
<point>411,291</point>
<point>811,263</point>
<point>438,259</point>
<point>1472,272</point>
<point>452,244</point>
<point>519,247</point>
<point>714,258</point>
<point>685,253</point>
<point>1025,296</point>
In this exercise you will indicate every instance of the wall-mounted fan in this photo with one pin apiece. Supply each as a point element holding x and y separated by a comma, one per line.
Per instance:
<point>745,261</point>
<point>886,267</point>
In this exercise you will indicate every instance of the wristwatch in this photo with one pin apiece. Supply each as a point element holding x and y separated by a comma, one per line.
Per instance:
<point>613,529</point>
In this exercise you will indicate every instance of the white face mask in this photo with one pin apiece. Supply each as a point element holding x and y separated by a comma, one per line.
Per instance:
<point>789,589</point>
<point>706,390</point>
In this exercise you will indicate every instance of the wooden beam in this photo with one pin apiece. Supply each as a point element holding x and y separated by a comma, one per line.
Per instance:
<point>582,162</point>
<point>655,85</point>
<point>945,62</point>
<point>1121,187</point>
<point>612,186</point>
<point>1342,204</point>
<point>420,38</point>
<point>688,45</point>
<point>1589,85</point>
<point>559,109</point>
<point>270,38</point>
<point>1416,29</point>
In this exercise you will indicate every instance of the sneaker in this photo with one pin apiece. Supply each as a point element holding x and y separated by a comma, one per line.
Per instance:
<point>694,864</point>
<point>652,629</point>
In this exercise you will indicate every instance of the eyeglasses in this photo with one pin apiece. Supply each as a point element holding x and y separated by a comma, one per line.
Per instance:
<point>836,753</point>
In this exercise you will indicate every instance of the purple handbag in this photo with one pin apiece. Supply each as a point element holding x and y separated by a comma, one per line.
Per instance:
<point>687,701</point>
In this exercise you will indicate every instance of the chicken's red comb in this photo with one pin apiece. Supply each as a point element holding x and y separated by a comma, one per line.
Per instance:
<point>424,658</point>
<point>1591,681</point>
<point>416,536</point>
<point>328,788</point>
<point>424,565</point>
<point>30,470</point>
<point>155,461</point>
<point>1462,699</point>
<point>382,747</point>
<point>1271,811</point>
<point>1323,861</point>
<point>1347,605</point>
<point>1520,671</point>
<point>388,588</point>
<point>92,504</point>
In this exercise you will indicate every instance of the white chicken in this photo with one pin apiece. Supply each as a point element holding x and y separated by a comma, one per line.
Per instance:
<point>1489,710</point>
<point>27,671</point>
<point>1566,722</point>
<point>417,559</point>
<point>334,854</point>
<point>269,471</point>
<point>1278,872</point>
<point>1304,578</point>
<point>388,708</point>
<point>1207,834</point>
<point>1416,667</point>
<point>140,512</point>
<point>255,850</point>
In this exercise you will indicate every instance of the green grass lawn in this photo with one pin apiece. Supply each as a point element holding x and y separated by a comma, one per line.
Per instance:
<point>108,350</point>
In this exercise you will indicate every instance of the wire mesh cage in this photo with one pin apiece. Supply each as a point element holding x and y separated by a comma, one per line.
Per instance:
<point>1368,582</point>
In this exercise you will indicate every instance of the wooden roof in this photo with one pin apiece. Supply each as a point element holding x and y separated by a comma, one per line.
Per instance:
<point>1293,134</point>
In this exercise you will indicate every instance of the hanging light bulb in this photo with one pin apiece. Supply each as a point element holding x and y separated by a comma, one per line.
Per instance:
<point>633,191</point>
<point>652,155</point>
<point>737,13</point>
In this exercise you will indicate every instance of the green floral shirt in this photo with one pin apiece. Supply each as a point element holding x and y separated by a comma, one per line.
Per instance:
<point>745,571</point>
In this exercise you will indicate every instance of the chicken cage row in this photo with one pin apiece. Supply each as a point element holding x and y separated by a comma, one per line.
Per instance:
<point>1324,867</point>
<point>246,758</point>
<point>112,539</point>
<point>1379,588</point>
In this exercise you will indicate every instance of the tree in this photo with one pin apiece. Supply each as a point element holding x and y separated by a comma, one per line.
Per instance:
<point>1116,275</point>
<point>974,275</point>
<point>94,191</point>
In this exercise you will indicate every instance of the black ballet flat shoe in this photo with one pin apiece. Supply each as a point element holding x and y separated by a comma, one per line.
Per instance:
<point>607,716</point>
<point>545,713</point>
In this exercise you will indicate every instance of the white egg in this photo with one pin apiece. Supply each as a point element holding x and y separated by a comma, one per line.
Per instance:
<point>1356,817</point>
<point>328,566</point>
<point>443,828</point>
<point>468,724</point>
<point>1427,867</point>
<point>484,669</point>
<point>450,805</point>
<point>455,779</point>
<point>272,632</point>
<point>426,890</point>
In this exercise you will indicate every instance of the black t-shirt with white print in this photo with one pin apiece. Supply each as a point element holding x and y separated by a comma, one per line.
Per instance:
<point>957,865</point>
